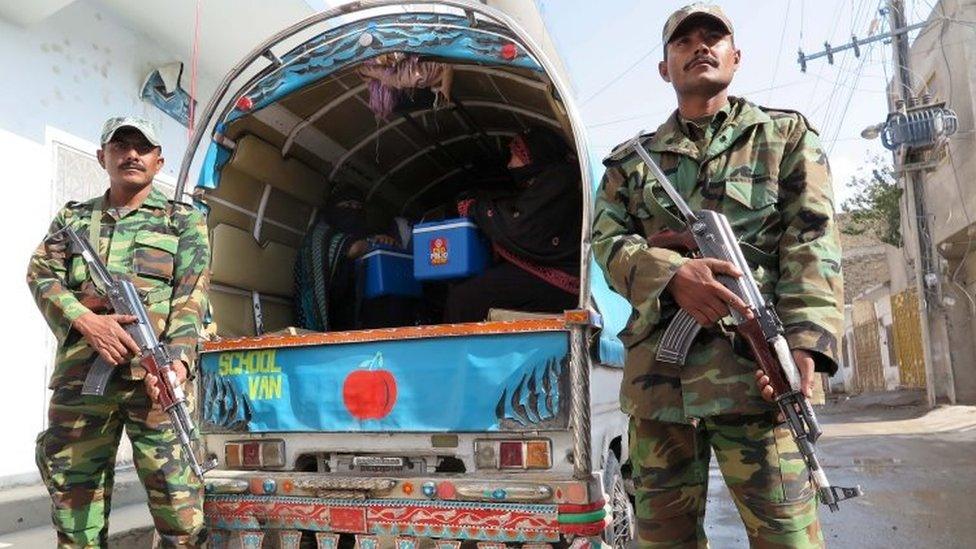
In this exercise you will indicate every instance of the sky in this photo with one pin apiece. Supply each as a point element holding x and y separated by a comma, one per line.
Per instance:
<point>611,49</point>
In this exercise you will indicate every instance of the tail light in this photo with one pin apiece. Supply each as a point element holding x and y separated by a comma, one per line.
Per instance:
<point>513,454</point>
<point>244,103</point>
<point>509,51</point>
<point>255,454</point>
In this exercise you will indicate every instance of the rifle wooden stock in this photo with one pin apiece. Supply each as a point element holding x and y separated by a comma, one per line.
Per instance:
<point>682,242</point>
<point>751,332</point>
<point>96,304</point>
<point>167,397</point>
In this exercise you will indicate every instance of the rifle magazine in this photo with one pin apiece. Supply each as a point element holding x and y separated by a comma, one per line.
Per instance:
<point>98,377</point>
<point>677,338</point>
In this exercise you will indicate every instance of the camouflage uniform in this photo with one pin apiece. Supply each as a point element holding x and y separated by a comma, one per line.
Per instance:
<point>765,170</point>
<point>164,245</point>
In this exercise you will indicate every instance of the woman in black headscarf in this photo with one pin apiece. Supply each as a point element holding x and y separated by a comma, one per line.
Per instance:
<point>325,277</point>
<point>535,231</point>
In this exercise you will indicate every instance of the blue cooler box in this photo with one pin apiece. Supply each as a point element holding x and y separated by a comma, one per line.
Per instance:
<point>388,272</point>
<point>452,248</point>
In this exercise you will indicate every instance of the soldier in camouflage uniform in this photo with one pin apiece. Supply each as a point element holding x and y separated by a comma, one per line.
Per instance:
<point>766,171</point>
<point>162,246</point>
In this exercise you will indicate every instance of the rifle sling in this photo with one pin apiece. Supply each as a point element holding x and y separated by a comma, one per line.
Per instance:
<point>753,255</point>
<point>95,225</point>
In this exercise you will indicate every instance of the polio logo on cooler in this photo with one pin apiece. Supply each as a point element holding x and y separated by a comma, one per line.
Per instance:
<point>438,251</point>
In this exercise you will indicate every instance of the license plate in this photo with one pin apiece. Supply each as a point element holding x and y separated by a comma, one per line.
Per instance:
<point>378,462</point>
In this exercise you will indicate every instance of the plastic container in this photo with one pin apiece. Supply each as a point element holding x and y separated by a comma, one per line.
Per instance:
<point>388,272</point>
<point>452,248</point>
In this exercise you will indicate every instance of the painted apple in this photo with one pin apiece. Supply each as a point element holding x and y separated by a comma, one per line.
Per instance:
<point>369,394</point>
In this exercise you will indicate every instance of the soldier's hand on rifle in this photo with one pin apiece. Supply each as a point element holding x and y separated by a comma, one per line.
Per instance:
<point>152,389</point>
<point>105,334</point>
<point>804,363</point>
<point>697,291</point>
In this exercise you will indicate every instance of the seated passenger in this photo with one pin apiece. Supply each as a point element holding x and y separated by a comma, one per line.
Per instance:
<point>535,231</point>
<point>325,274</point>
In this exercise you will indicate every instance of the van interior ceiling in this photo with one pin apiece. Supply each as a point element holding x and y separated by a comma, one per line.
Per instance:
<point>288,156</point>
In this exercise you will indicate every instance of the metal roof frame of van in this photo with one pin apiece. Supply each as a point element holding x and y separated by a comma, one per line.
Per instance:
<point>527,42</point>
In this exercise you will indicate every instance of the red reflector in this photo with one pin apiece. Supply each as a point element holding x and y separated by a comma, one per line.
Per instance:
<point>509,51</point>
<point>584,508</point>
<point>244,103</point>
<point>510,454</point>
<point>252,454</point>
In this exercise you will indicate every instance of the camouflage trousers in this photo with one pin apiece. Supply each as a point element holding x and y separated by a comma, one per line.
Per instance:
<point>761,466</point>
<point>76,459</point>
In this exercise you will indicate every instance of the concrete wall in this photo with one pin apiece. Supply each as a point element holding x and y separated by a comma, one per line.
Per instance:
<point>942,61</point>
<point>65,75</point>
<point>943,58</point>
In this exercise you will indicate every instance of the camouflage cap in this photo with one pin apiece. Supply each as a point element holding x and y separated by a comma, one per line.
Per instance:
<point>696,9</point>
<point>115,123</point>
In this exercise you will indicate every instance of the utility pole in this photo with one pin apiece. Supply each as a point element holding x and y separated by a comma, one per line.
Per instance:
<point>932,318</point>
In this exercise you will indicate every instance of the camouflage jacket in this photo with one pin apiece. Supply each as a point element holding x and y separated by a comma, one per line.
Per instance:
<point>766,171</point>
<point>161,246</point>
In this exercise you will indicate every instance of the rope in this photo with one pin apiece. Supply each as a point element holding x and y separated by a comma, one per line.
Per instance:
<point>193,71</point>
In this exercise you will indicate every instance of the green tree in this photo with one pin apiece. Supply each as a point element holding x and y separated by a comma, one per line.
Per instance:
<point>875,206</point>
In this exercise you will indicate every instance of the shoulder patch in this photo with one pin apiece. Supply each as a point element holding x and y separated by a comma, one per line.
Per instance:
<point>789,113</point>
<point>623,150</point>
<point>77,205</point>
<point>180,204</point>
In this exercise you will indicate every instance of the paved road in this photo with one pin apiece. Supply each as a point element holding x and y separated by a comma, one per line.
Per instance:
<point>129,518</point>
<point>917,469</point>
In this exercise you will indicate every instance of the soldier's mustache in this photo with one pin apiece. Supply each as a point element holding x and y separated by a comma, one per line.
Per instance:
<point>701,59</point>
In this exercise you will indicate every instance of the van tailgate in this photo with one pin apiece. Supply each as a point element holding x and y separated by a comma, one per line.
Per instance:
<point>491,376</point>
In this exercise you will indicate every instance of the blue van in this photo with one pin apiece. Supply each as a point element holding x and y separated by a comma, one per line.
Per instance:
<point>500,432</point>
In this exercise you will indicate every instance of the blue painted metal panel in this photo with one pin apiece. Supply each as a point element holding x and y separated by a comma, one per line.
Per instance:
<point>176,104</point>
<point>473,383</point>
<point>438,35</point>
<point>614,309</point>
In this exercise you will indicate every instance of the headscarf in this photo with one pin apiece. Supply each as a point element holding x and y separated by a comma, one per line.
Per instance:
<point>538,147</point>
<point>324,275</point>
<point>344,211</point>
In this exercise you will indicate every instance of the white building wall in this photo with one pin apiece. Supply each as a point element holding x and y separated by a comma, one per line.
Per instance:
<point>882,308</point>
<point>841,381</point>
<point>64,76</point>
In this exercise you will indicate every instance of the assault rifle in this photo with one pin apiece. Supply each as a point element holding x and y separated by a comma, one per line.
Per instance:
<point>708,234</point>
<point>153,355</point>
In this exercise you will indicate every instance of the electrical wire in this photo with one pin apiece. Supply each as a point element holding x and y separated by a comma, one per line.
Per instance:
<point>742,94</point>
<point>816,84</point>
<point>840,123</point>
<point>617,78</point>
<point>853,89</point>
<point>782,38</point>
<point>847,60</point>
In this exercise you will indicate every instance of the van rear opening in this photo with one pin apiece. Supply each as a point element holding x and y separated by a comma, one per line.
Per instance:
<point>386,420</point>
<point>273,167</point>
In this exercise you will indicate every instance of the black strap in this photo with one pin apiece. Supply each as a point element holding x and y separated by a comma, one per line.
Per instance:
<point>95,224</point>
<point>753,255</point>
<point>674,222</point>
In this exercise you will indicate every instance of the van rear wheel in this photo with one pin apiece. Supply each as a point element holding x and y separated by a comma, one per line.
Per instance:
<point>619,533</point>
